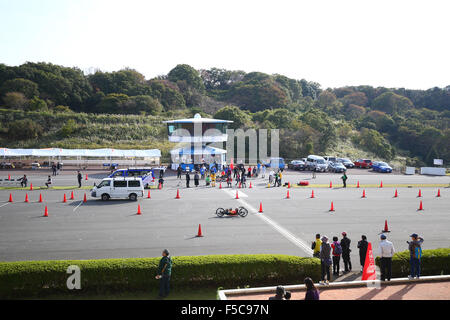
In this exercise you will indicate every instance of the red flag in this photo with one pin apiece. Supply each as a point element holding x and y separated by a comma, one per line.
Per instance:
<point>369,272</point>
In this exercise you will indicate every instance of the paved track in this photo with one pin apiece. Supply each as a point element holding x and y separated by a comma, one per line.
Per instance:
<point>76,230</point>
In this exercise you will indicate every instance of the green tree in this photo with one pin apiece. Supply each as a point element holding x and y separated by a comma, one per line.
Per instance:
<point>15,100</point>
<point>184,72</point>
<point>28,88</point>
<point>24,130</point>
<point>68,128</point>
<point>240,118</point>
<point>37,104</point>
<point>391,103</point>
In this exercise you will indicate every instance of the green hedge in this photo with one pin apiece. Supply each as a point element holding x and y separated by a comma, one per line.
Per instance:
<point>434,262</point>
<point>37,278</point>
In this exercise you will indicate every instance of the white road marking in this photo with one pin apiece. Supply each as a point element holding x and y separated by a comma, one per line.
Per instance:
<point>5,204</point>
<point>232,192</point>
<point>295,240</point>
<point>81,202</point>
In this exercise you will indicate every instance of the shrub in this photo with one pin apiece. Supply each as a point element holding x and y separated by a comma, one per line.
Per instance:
<point>434,262</point>
<point>37,278</point>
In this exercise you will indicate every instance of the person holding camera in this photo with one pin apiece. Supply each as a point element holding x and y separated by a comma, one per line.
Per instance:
<point>415,252</point>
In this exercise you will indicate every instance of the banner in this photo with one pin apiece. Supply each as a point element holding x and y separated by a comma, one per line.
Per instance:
<point>369,272</point>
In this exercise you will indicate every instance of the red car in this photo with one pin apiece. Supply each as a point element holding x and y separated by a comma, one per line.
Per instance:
<point>363,163</point>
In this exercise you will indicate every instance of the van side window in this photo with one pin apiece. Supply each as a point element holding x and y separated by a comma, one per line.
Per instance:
<point>105,183</point>
<point>120,184</point>
<point>134,184</point>
<point>118,174</point>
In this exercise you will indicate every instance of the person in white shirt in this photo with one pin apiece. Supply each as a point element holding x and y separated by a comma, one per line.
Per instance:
<point>386,250</point>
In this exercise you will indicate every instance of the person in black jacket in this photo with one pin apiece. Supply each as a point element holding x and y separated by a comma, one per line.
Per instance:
<point>362,246</point>
<point>345,244</point>
<point>188,178</point>
<point>179,172</point>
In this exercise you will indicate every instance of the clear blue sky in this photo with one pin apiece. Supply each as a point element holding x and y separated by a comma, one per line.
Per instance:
<point>349,42</point>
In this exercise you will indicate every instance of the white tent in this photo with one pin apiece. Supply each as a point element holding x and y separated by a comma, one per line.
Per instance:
<point>97,153</point>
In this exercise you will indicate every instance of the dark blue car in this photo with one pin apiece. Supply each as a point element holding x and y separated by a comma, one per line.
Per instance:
<point>380,166</point>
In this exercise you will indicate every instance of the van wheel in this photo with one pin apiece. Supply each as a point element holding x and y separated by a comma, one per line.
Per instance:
<point>133,197</point>
<point>105,197</point>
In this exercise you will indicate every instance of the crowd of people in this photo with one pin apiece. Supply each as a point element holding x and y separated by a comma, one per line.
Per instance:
<point>230,174</point>
<point>330,255</point>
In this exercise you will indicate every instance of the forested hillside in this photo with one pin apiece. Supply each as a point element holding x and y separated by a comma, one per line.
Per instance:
<point>44,105</point>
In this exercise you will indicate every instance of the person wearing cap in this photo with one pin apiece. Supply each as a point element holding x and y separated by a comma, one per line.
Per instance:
<point>415,252</point>
<point>362,246</point>
<point>325,260</point>
<point>164,273</point>
<point>345,244</point>
<point>386,249</point>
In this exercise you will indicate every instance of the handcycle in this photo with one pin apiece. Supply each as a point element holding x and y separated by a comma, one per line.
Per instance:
<point>241,211</point>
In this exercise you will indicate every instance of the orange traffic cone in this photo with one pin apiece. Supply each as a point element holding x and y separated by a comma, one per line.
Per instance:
<point>26,197</point>
<point>220,185</point>
<point>31,187</point>
<point>10,198</point>
<point>331,185</point>
<point>364,193</point>
<point>160,186</point>
<point>250,185</point>
<point>381,184</point>
<point>439,193</point>
<point>86,177</point>
<point>139,210</point>
<point>312,194</point>
<point>71,196</point>
<point>357,184</point>
<point>178,194</point>
<point>260,207</point>
<point>46,212</point>
<point>288,196</point>
<point>332,206</point>
<point>396,194</point>
<point>85,199</point>
<point>9,177</point>
<point>237,195</point>
<point>64,199</point>
<point>148,195</point>
<point>420,206</point>
<point>199,233</point>
<point>386,229</point>
<point>289,185</point>
<point>420,194</point>
<point>40,197</point>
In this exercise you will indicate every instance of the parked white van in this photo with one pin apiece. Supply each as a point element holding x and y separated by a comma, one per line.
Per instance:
<point>122,187</point>
<point>316,163</point>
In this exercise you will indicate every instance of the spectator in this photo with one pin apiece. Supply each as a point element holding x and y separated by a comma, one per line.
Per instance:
<point>280,294</point>
<point>213,179</point>
<point>325,260</point>
<point>161,182</point>
<point>362,246</point>
<point>344,180</point>
<point>229,181</point>
<point>287,295</point>
<point>196,178</point>
<point>188,178</point>
<point>316,246</point>
<point>79,177</point>
<point>415,252</point>
<point>254,174</point>
<point>202,172</point>
<point>164,274</point>
<point>337,251</point>
<point>49,181</point>
<point>311,291</point>
<point>23,181</point>
<point>179,170</point>
<point>263,176</point>
<point>386,252</point>
<point>208,180</point>
<point>161,173</point>
<point>345,244</point>
<point>280,177</point>
<point>243,181</point>
<point>58,167</point>
<point>314,173</point>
